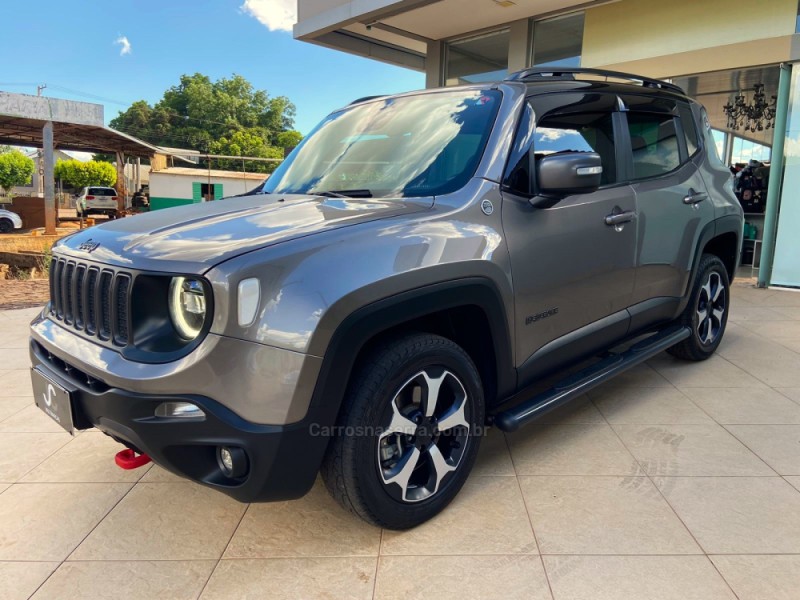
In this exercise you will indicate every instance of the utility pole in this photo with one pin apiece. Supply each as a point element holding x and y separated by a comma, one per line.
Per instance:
<point>39,89</point>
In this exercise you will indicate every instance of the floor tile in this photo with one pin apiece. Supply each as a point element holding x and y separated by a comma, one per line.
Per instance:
<point>87,458</point>
<point>770,362</point>
<point>487,516</point>
<point>459,577</point>
<point>603,515</point>
<point>579,411</point>
<point>4,487</point>
<point>788,312</point>
<point>20,579</point>
<point>642,375</point>
<point>774,329</point>
<point>751,294</point>
<point>782,298</point>
<point>175,521</point>
<point>292,578</point>
<point>741,312</point>
<point>690,450</point>
<point>11,405</point>
<point>777,445</point>
<point>494,457</point>
<point>568,449</point>
<point>654,406</point>
<point>793,393</point>
<point>12,358</point>
<point>127,580</point>
<point>21,452</point>
<point>158,475</point>
<point>761,577</point>
<point>795,481</point>
<point>30,419</point>
<point>635,577</point>
<point>314,525</point>
<point>714,372</point>
<point>45,521</point>
<point>15,382</point>
<point>737,515</point>
<point>743,406</point>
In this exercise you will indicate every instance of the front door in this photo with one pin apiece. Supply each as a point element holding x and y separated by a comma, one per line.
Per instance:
<point>572,270</point>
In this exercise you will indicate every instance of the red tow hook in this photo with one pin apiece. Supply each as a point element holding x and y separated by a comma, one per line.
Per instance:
<point>128,459</point>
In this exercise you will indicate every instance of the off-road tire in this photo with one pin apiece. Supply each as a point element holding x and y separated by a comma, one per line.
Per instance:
<point>695,348</point>
<point>352,469</point>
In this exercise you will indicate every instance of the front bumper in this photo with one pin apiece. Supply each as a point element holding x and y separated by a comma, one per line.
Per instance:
<point>283,460</point>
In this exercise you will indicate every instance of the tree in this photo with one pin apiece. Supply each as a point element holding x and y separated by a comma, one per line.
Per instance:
<point>15,169</point>
<point>199,112</point>
<point>77,174</point>
<point>245,143</point>
<point>289,139</point>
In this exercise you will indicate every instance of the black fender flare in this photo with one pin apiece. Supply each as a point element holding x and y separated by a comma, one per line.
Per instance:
<point>361,326</point>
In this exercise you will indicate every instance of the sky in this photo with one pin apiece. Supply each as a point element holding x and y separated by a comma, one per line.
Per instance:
<point>115,53</point>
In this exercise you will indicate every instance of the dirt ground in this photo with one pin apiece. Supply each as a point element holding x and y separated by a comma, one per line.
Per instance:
<point>23,294</point>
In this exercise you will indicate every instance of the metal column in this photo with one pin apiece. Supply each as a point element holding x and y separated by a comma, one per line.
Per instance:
<point>775,177</point>
<point>50,208</point>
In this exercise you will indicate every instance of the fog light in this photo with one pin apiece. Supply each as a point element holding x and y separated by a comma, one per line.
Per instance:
<point>180,410</point>
<point>232,461</point>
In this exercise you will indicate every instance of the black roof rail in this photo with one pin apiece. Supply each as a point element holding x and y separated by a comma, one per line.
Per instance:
<point>570,73</point>
<point>365,98</point>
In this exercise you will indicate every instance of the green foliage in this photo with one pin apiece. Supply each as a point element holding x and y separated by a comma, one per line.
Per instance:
<point>15,169</point>
<point>77,174</point>
<point>245,143</point>
<point>289,139</point>
<point>198,113</point>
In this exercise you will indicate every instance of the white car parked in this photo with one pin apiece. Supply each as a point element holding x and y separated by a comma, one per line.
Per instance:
<point>9,221</point>
<point>95,200</point>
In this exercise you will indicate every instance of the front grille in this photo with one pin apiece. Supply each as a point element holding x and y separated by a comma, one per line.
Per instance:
<point>92,299</point>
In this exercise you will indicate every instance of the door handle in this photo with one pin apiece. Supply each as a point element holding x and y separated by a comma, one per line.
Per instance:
<point>694,197</point>
<point>620,218</point>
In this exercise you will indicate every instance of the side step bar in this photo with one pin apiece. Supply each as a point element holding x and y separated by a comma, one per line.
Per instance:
<point>582,381</point>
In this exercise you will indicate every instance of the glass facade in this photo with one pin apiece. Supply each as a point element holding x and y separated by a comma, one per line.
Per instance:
<point>558,42</point>
<point>478,59</point>
<point>786,264</point>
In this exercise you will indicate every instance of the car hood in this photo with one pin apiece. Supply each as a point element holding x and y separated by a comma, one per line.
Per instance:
<point>194,238</point>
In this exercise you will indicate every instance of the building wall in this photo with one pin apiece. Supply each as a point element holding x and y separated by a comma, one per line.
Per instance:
<point>167,190</point>
<point>667,38</point>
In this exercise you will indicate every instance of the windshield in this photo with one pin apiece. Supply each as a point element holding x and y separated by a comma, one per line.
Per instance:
<point>421,145</point>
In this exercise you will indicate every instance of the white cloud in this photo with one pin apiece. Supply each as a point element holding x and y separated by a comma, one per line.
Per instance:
<point>124,45</point>
<point>276,15</point>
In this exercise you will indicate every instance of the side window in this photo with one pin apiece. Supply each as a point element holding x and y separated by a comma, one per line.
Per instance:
<point>654,142</point>
<point>578,132</point>
<point>689,127</point>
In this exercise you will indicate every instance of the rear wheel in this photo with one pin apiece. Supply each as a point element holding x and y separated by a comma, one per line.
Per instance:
<point>706,314</point>
<point>6,226</point>
<point>409,432</point>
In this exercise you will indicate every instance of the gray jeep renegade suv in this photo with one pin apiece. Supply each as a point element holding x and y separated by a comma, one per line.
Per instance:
<point>416,269</point>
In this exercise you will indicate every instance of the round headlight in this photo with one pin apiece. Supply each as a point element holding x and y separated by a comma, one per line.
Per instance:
<point>187,306</point>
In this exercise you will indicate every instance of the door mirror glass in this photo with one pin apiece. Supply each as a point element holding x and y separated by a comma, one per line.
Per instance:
<point>568,173</point>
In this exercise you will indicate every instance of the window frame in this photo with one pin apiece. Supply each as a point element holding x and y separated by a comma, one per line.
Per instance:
<point>619,127</point>
<point>683,152</point>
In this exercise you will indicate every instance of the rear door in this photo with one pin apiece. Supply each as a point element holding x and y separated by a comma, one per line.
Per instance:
<point>102,198</point>
<point>671,198</point>
<point>573,273</point>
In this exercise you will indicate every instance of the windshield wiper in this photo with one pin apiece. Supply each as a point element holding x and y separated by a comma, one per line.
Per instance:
<point>344,194</point>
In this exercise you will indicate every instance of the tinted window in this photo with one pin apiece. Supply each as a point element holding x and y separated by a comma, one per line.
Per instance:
<point>689,127</point>
<point>102,192</point>
<point>579,132</point>
<point>654,142</point>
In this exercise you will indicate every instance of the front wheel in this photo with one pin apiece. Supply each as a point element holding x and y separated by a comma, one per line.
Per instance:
<point>706,314</point>
<point>6,226</point>
<point>409,432</point>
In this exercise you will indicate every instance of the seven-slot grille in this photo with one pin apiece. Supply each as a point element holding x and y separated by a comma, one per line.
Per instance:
<point>91,299</point>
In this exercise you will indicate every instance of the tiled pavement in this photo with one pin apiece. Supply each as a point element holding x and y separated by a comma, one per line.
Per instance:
<point>675,481</point>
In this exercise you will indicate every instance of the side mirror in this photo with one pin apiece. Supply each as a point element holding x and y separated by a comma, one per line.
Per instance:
<point>558,175</point>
